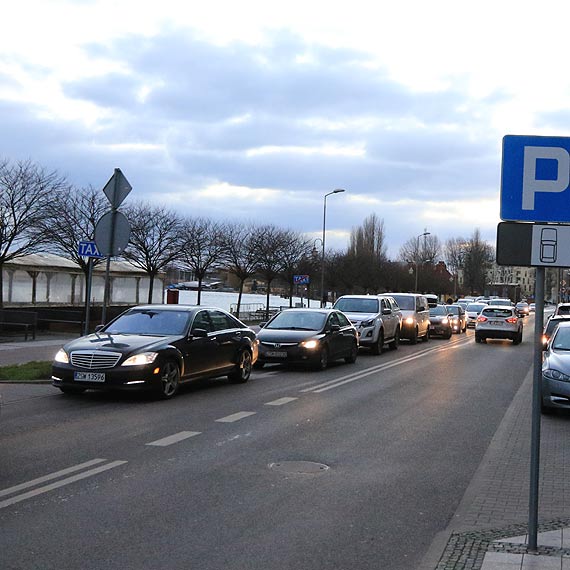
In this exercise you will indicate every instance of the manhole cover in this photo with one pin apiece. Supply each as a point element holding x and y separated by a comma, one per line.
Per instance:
<point>299,467</point>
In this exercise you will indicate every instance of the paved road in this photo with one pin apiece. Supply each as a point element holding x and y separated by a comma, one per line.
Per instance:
<point>357,467</point>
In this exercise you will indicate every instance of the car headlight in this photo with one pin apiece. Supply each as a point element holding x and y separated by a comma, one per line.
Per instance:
<point>409,321</point>
<point>140,359</point>
<point>368,323</point>
<point>62,356</point>
<point>556,375</point>
<point>310,344</point>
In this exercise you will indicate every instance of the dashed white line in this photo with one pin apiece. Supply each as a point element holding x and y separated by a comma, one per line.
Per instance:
<point>280,401</point>
<point>175,438</point>
<point>236,417</point>
<point>61,483</point>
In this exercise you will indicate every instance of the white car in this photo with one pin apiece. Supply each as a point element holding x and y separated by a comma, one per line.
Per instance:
<point>472,311</point>
<point>377,319</point>
<point>496,321</point>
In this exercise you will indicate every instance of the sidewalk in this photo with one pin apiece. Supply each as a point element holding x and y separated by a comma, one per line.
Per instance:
<point>489,529</point>
<point>19,351</point>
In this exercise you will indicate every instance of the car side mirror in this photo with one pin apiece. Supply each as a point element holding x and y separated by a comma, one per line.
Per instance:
<point>386,311</point>
<point>335,328</point>
<point>262,325</point>
<point>99,328</point>
<point>199,333</point>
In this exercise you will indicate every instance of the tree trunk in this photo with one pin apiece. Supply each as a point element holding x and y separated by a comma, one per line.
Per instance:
<point>267,301</point>
<point>150,287</point>
<point>199,290</point>
<point>241,283</point>
<point>1,285</point>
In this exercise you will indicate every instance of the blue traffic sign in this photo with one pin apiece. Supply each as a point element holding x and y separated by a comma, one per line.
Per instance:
<point>88,249</point>
<point>535,179</point>
<point>301,279</point>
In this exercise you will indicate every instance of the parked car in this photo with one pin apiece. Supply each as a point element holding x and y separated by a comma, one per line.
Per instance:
<point>472,311</point>
<point>415,316</point>
<point>377,319</point>
<point>157,347</point>
<point>551,325</point>
<point>522,308</point>
<point>457,317</point>
<point>440,322</point>
<point>499,322</point>
<point>313,337</point>
<point>555,385</point>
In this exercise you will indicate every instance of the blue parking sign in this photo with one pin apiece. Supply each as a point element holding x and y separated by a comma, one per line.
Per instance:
<point>535,179</point>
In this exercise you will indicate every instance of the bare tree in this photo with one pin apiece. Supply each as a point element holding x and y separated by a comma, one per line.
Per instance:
<point>270,243</point>
<point>155,239</point>
<point>421,249</point>
<point>295,250</point>
<point>25,192</point>
<point>478,257</point>
<point>239,241</point>
<point>72,215</point>
<point>203,247</point>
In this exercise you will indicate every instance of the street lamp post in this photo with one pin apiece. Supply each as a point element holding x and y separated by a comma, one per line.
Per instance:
<point>417,257</point>
<point>336,191</point>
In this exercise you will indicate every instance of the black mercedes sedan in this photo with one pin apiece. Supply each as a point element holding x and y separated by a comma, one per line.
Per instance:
<point>312,337</point>
<point>157,347</point>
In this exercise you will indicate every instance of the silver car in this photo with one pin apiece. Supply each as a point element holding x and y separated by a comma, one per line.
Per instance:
<point>472,311</point>
<point>555,386</point>
<point>499,322</point>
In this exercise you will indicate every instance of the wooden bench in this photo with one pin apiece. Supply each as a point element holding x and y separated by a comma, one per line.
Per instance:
<point>12,320</point>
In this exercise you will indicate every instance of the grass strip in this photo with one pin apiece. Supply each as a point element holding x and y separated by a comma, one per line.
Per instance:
<point>36,370</point>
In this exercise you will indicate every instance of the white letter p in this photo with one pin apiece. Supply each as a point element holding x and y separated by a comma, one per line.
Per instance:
<point>531,185</point>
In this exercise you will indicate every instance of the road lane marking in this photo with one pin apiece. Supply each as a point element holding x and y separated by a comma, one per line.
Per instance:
<point>61,483</point>
<point>236,417</point>
<point>381,367</point>
<point>175,438</point>
<point>280,401</point>
<point>49,477</point>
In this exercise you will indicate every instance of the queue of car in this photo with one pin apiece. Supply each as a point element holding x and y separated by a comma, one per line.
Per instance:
<point>158,348</point>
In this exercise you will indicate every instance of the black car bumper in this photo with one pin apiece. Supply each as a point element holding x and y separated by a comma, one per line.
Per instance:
<point>289,355</point>
<point>129,378</point>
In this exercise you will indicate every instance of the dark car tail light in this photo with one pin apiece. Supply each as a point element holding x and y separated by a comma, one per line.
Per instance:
<point>482,319</point>
<point>512,320</point>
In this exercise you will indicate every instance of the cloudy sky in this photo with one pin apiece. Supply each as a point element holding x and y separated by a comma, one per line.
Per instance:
<point>254,110</point>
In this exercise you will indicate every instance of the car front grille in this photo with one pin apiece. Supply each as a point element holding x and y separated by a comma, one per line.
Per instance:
<point>279,344</point>
<point>94,359</point>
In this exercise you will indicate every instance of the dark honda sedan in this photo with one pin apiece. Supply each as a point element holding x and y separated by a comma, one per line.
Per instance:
<point>312,337</point>
<point>157,347</point>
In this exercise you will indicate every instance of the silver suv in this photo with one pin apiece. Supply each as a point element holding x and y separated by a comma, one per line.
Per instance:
<point>376,317</point>
<point>415,316</point>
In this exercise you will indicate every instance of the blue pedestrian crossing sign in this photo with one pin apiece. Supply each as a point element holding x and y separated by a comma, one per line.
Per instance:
<point>89,249</point>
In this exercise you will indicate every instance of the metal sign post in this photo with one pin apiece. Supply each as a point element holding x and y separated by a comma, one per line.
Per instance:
<point>113,230</point>
<point>88,249</point>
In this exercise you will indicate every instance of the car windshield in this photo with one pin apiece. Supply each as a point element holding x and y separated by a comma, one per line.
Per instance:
<point>475,307</point>
<point>499,302</point>
<point>497,312</point>
<point>355,305</point>
<point>562,339</point>
<point>150,322</point>
<point>405,302</point>
<point>453,310</point>
<point>551,325</point>
<point>564,310</point>
<point>436,311</point>
<point>298,320</point>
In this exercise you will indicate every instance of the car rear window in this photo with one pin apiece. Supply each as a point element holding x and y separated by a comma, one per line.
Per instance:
<point>563,310</point>
<point>497,312</point>
<point>475,307</point>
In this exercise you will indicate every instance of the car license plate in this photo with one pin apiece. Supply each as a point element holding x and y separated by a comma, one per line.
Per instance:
<point>498,323</point>
<point>276,353</point>
<point>89,376</point>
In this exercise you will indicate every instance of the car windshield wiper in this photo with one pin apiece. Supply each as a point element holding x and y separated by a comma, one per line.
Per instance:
<point>561,348</point>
